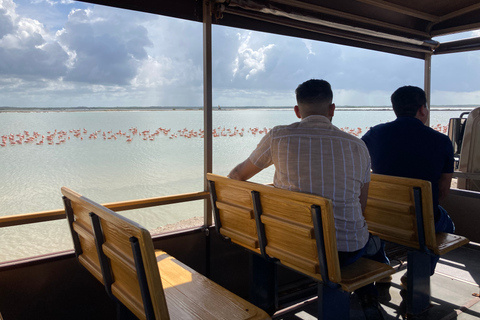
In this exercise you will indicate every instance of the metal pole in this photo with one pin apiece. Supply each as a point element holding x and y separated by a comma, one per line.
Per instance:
<point>427,80</point>
<point>207,103</point>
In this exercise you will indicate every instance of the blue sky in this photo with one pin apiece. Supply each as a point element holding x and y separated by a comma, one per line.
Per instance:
<point>67,54</point>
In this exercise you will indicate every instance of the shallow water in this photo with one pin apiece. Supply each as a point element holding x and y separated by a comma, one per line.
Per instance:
<point>90,153</point>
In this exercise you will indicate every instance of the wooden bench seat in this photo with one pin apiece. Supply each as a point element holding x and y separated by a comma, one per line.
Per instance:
<point>400,210</point>
<point>295,229</point>
<point>150,283</point>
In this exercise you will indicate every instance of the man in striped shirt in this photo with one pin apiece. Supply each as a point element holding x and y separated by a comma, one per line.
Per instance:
<point>314,156</point>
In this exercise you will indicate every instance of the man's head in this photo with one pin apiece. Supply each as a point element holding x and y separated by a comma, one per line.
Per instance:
<point>409,101</point>
<point>314,97</point>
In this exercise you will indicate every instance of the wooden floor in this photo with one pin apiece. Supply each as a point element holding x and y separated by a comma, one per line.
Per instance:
<point>454,286</point>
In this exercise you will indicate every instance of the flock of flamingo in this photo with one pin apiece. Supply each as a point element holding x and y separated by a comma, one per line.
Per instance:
<point>60,136</point>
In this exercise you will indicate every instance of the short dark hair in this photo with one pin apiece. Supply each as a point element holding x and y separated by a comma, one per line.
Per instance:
<point>407,100</point>
<point>314,91</point>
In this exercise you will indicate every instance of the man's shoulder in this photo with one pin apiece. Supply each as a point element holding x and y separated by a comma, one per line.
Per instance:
<point>284,127</point>
<point>435,133</point>
<point>378,132</point>
<point>352,140</point>
<point>382,126</point>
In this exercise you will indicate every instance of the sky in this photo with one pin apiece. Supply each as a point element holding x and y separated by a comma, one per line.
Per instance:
<point>68,54</point>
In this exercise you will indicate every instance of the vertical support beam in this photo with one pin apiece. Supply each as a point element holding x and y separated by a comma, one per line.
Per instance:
<point>262,239</point>
<point>142,278</point>
<point>418,282</point>
<point>320,241</point>
<point>207,104</point>
<point>427,82</point>
<point>263,283</point>
<point>102,258</point>
<point>71,219</point>
<point>333,303</point>
<point>418,267</point>
<point>417,196</point>
<point>216,212</point>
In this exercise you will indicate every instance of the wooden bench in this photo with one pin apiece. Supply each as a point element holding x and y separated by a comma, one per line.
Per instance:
<point>400,210</point>
<point>297,230</point>
<point>150,283</point>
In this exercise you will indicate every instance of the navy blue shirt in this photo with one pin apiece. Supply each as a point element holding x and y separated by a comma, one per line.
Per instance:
<point>407,148</point>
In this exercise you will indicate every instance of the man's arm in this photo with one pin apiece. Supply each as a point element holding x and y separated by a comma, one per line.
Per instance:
<point>444,185</point>
<point>364,196</point>
<point>244,171</point>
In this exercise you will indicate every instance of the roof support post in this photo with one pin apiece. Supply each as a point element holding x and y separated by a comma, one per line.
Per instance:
<point>207,104</point>
<point>427,81</point>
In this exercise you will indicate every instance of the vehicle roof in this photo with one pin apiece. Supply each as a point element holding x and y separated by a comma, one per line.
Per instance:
<point>404,27</point>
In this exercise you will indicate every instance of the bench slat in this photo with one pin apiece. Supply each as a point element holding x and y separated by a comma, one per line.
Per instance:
<point>240,239</point>
<point>289,226</point>
<point>232,221</point>
<point>447,242</point>
<point>89,256</point>
<point>405,237</point>
<point>243,212</point>
<point>124,294</point>
<point>297,262</point>
<point>363,272</point>
<point>241,197</point>
<point>201,296</point>
<point>237,215</point>
<point>287,209</point>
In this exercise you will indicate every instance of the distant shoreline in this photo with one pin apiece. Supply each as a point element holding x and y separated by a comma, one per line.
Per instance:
<point>130,109</point>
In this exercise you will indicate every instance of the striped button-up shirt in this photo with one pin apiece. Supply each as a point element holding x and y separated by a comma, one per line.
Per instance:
<point>314,156</point>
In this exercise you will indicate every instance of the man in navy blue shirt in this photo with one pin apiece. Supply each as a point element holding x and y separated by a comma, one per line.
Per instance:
<point>406,147</point>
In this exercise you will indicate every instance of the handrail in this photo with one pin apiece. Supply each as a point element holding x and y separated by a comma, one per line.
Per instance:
<point>20,219</point>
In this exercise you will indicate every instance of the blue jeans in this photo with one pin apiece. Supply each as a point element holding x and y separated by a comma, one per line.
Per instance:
<point>374,250</point>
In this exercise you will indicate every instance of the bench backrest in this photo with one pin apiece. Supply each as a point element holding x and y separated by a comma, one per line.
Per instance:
<point>288,220</point>
<point>400,210</point>
<point>119,253</point>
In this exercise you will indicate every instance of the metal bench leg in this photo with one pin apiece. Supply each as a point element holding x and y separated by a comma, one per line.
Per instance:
<point>263,286</point>
<point>418,282</point>
<point>333,303</point>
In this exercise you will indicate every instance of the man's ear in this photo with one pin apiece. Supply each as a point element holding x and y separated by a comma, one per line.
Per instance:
<point>331,110</point>
<point>422,114</point>
<point>297,112</point>
<point>422,111</point>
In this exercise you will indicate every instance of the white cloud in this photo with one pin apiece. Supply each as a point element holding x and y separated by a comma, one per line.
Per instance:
<point>249,61</point>
<point>25,50</point>
<point>104,51</point>
<point>308,45</point>
<point>68,54</point>
<point>9,7</point>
